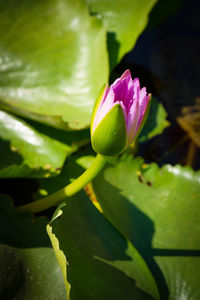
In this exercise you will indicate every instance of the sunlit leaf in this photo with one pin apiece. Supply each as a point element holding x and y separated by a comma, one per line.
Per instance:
<point>124,21</point>
<point>27,152</point>
<point>102,264</point>
<point>53,60</point>
<point>158,210</point>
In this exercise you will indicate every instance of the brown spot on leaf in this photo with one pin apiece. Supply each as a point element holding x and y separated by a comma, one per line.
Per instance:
<point>149,183</point>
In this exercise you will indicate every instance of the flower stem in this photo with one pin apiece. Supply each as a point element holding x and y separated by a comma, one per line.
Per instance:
<point>69,190</point>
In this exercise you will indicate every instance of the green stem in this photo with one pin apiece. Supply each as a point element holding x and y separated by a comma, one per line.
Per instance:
<point>69,190</point>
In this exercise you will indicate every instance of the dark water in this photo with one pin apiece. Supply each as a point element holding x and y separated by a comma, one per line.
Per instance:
<point>167,60</point>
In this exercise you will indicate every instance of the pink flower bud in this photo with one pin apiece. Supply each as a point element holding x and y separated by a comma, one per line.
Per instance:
<point>119,115</point>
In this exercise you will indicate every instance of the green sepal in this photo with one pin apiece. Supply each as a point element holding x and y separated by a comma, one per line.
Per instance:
<point>96,105</point>
<point>109,137</point>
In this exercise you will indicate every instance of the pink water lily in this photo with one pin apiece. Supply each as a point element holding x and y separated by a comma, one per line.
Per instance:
<point>124,93</point>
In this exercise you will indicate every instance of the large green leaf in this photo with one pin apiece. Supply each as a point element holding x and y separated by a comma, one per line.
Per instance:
<point>158,210</point>
<point>27,152</point>
<point>29,269</point>
<point>135,268</point>
<point>102,264</point>
<point>53,60</point>
<point>125,20</point>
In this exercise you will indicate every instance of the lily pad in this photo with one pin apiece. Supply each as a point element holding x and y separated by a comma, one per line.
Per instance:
<point>124,21</point>
<point>101,263</point>
<point>27,152</point>
<point>53,61</point>
<point>29,269</point>
<point>67,225</point>
<point>158,210</point>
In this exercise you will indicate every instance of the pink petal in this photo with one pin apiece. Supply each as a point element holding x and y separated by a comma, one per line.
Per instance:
<point>132,121</point>
<point>144,100</point>
<point>126,74</point>
<point>104,107</point>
